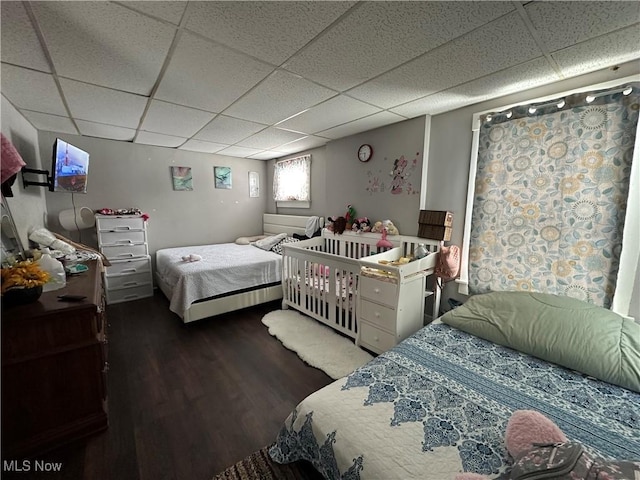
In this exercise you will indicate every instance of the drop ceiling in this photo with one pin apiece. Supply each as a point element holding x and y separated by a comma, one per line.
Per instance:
<point>266,79</point>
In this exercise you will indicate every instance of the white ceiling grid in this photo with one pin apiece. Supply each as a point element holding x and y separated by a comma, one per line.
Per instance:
<point>267,79</point>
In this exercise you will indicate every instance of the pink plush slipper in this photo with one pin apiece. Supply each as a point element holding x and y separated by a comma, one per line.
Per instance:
<point>526,427</point>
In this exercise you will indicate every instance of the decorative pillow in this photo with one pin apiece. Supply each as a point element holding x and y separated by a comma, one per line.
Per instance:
<point>278,247</point>
<point>268,243</point>
<point>562,330</point>
<point>248,240</point>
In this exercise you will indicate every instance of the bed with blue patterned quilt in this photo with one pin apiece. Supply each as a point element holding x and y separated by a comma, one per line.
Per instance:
<point>438,403</point>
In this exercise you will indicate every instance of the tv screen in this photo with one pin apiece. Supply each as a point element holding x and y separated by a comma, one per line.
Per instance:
<point>70,168</point>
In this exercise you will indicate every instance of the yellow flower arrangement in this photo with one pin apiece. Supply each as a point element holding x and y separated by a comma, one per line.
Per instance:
<point>26,274</point>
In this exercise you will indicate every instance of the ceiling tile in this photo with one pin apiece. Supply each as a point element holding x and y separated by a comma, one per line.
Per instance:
<point>173,119</point>
<point>378,36</point>
<point>200,146</point>
<point>270,31</point>
<point>471,56</point>
<point>614,48</point>
<point>31,90</point>
<point>239,151</point>
<point>169,11</point>
<point>280,96</point>
<point>228,130</point>
<point>103,105</point>
<point>100,130</point>
<point>131,47</point>
<point>51,123</point>
<point>560,24</point>
<point>216,76</point>
<point>335,111</point>
<point>269,138</point>
<point>305,143</point>
<point>529,75</point>
<point>362,125</point>
<point>267,155</point>
<point>20,44</point>
<point>158,139</point>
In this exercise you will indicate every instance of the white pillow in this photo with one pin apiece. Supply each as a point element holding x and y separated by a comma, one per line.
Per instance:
<point>248,240</point>
<point>269,242</point>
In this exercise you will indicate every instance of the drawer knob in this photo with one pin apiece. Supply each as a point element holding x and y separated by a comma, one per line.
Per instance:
<point>377,314</point>
<point>376,290</point>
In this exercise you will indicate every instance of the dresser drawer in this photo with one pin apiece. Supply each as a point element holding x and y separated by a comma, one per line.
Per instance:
<point>119,224</point>
<point>378,291</point>
<point>124,252</point>
<point>375,339</point>
<point>136,265</point>
<point>128,280</point>
<point>379,315</point>
<point>122,238</point>
<point>128,294</point>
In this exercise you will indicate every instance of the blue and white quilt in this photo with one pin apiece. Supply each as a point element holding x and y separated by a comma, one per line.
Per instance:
<point>438,404</point>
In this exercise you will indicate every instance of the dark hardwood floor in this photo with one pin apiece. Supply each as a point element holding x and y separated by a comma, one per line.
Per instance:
<point>186,401</point>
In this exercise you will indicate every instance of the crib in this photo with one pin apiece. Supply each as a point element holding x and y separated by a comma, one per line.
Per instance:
<point>320,276</point>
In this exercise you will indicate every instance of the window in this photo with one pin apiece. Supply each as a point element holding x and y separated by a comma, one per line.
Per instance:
<point>548,198</point>
<point>292,182</point>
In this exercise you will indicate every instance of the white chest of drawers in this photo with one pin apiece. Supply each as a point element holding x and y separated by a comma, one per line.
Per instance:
<point>123,240</point>
<point>391,302</point>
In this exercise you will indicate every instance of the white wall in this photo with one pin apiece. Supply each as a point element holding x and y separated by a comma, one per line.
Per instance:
<point>450,151</point>
<point>127,175</point>
<point>27,206</point>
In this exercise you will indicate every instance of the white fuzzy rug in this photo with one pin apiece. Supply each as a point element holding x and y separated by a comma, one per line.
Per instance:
<point>316,344</point>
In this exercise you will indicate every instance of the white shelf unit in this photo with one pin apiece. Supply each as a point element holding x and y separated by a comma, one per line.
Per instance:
<point>391,299</point>
<point>123,240</point>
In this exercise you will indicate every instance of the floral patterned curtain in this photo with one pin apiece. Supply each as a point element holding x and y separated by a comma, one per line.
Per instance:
<point>550,196</point>
<point>292,179</point>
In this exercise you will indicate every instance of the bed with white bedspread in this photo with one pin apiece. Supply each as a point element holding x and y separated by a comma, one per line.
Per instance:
<point>226,276</point>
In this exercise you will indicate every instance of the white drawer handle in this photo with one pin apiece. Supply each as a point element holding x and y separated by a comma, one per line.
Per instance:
<point>129,284</point>
<point>377,314</point>
<point>131,296</point>
<point>129,270</point>
<point>126,255</point>
<point>376,290</point>
<point>121,228</point>
<point>128,242</point>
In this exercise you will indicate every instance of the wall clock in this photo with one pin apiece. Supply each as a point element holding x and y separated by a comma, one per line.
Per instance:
<point>364,152</point>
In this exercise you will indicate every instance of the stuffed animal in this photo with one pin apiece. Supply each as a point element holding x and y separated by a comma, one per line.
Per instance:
<point>350,216</point>
<point>527,430</point>
<point>377,227</point>
<point>390,227</point>
<point>361,225</point>
<point>337,225</point>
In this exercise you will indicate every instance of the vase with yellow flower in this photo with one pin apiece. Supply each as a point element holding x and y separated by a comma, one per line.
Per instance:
<point>22,283</point>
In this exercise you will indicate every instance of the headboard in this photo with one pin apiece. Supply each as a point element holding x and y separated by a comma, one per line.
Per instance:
<point>289,224</point>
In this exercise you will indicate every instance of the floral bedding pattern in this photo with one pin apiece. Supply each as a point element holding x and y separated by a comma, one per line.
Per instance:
<point>438,403</point>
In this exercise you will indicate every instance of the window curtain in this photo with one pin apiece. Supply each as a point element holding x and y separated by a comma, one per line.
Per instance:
<point>550,196</point>
<point>292,180</point>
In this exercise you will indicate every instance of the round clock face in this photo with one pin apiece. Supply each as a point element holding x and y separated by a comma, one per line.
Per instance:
<point>365,152</point>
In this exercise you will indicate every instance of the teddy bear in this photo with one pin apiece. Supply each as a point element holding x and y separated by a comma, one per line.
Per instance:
<point>527,430</point>
<point>390,227</point>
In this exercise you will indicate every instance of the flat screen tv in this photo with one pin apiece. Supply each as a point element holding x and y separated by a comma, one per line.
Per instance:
<point>70,168</point>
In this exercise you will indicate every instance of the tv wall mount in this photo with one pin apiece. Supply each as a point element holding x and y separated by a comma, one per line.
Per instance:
<point>26,182</point>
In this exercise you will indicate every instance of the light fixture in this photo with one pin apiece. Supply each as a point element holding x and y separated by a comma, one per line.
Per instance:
<point>561,104</point>
<point>626,90</point>
<point>77,219</point>
<point>532,110</point>
<point>509,114</point>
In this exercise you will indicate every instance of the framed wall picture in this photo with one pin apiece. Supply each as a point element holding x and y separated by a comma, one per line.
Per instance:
<point>181,177</point>
<point>254,184</point>
<point>223,177</point>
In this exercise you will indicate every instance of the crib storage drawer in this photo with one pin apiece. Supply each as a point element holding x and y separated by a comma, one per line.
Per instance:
<point>375,339</point>
<point>136,265</point>
<point>123,252</point>
<point>119,223</point>
<point>378,315</point>
<point>379,291</point>
<point>127,281</point>
<point>122,238</point>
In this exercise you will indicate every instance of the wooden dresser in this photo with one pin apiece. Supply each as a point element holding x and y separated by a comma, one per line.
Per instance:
<point>54,365</point>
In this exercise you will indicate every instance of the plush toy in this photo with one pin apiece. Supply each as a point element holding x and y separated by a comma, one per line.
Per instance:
<point>383,242</point>
<point>361,225</point>
<point>390,227</point>
<point>377,227</point>
<point>528,429</point>
<point>337,225</point>
<point>350,216</point>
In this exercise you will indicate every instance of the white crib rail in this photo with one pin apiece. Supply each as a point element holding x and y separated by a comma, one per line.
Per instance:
<point>320,276</point>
